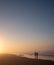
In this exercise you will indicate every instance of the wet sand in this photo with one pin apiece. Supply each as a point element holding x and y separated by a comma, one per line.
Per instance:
<point>8,59</point>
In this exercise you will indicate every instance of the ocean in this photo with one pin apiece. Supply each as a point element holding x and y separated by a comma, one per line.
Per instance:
<point>40,57</point>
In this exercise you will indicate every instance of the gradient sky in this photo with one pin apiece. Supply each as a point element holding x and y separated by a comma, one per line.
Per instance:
<point>26,25</point>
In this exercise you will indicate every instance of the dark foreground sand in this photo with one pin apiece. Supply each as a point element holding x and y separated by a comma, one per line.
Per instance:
<point>8,59</point>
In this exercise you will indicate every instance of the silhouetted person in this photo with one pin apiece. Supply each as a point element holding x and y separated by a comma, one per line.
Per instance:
<point>36,55</point>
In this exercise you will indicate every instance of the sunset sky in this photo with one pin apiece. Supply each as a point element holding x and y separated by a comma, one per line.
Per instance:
<point>26,25</point>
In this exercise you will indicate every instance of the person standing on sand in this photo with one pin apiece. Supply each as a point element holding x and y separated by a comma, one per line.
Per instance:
<point>36,55</point>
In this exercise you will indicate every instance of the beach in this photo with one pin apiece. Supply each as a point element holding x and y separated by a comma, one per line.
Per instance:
<point>9,59</point>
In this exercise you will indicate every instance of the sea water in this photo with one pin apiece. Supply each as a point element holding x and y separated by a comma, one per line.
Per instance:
<point>40,57</point>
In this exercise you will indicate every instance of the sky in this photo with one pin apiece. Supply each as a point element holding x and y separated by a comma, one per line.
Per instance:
<point>26,25</point>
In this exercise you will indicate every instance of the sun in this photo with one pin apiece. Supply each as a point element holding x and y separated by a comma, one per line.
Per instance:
<point>1,47</point>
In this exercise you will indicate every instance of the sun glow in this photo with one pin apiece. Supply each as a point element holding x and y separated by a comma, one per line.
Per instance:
<point>1,47</point>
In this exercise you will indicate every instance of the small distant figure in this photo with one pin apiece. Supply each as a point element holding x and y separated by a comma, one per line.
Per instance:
<point>36,55</point>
